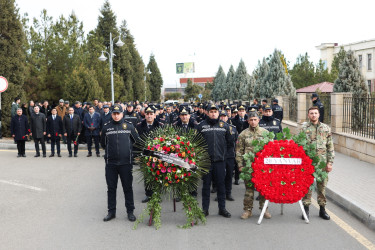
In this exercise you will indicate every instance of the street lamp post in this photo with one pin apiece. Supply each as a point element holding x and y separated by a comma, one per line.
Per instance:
<point>111,55</point>
<point>146,72</point>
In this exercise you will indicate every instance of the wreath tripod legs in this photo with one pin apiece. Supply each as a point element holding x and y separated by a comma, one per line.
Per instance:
<point>303,212</point>
<point>263,211</point>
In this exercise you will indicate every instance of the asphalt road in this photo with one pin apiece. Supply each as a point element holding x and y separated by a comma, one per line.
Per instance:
<point>59,203</point>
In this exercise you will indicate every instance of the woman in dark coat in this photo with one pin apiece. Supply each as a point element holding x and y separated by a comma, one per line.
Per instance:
<point>19,128</point>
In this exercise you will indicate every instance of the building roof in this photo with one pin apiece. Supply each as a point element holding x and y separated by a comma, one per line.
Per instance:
<point>197,79</point>
<point>324,87</point>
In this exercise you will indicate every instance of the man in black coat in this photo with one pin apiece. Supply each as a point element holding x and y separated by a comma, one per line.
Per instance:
<point>144,128</point>
<point>269,122</point>
<point>54,131</point>
<point>130,115</point>
<point>72,129</point>
<point>316,102</point>
<point>240,121</point>
<point>19,128</point>
<point>277,110</point>
<point>38,130</point>
<point>106,116</point>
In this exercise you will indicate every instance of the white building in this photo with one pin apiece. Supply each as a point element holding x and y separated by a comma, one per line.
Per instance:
<point>363,50</point>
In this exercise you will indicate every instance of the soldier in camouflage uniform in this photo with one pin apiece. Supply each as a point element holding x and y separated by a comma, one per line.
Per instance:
<point>244,146</point>
<point>319,134</point>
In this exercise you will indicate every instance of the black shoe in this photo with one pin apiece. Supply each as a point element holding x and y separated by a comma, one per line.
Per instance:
<point>70,155</point>
<point>37,155</point>
<point>23,155</point>
<point>230,198</point>
<point>75,155</point>
<point>257,198</point>
<point>213,190</point>
<point>58,155</point>
<point>323,214</point>
<point>146,199</point>
<point>215,199</point>
<point>19,155</point>
<point>109,217</point>
<point>223,212</point>
<point>52,155</point>
<point>205,212</point>
<point>97,155</point>
<point>44,155</point>
<point>131,217</point>
<point>178,199</point>
<point>89,155</point>
<point>306,211</point>
<point>236,182</point>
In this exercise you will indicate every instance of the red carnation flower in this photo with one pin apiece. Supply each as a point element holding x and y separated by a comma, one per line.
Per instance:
<point>182,143</point>
<point>23,137</point>
<point>189,174</point>
<point>168,149</point>
<point>165,148</point>
<point>188,143</point>
<point>56,133</point>
<point>158,172</point>
<point>148,147</point>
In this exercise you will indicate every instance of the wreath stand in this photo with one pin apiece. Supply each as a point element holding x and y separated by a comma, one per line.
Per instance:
<point>282,211</point>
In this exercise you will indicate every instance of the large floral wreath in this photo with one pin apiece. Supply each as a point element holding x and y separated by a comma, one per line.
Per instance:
<point>283,183</point>
<point>172,162</point>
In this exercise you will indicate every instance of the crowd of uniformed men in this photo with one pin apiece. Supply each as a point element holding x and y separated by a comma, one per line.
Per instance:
<point>227,128</point>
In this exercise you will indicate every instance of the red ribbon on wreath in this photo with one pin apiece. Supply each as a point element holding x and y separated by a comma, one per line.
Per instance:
<point>281,183</point>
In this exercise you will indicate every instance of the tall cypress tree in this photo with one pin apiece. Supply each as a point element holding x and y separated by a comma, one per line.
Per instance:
<point>155,81</point>
<point>12,58</point>
<point>276,77</point>
<point>228,89</point>
<point>219,83</point>
<point>260,89</point>
<point>239,81</point>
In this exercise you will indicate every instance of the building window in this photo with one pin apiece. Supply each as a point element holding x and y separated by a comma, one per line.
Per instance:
<point>369,85</point>
<point>369,61</point>
<point>360,61</point>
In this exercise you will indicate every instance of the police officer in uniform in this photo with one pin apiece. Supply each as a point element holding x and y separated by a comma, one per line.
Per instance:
<point>130,115</point>
<point>269,122</point>
<point>317,103</point>
<point>106,116</point>
<point>144,128</point>
<point>118,137</point>
<point>278,112</point>
<point>218,137</point>
<point>240,121</point>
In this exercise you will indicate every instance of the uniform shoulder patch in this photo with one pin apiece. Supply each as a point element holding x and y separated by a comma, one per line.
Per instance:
<point>134,114</point>
<point>124,125</point>
<point>221,124</point>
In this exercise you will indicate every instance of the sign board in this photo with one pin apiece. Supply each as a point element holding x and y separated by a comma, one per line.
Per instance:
<point>185,68</point>
<point>3,84</point>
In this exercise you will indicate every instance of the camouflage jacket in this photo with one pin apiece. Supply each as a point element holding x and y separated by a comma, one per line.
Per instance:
<point>244,143</point>
<point>321,136</point>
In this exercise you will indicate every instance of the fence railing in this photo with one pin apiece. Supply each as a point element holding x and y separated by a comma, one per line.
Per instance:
<point>359,116</point>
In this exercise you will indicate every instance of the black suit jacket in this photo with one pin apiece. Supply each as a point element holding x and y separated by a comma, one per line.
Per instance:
<point>77,125</point>
<point>54,126</point>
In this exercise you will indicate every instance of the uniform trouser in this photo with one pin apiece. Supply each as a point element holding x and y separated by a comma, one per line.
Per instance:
<point>69,140</point>
<point>148,192</point>
<point>321,190</point>
<point>228,175</point>
<point>56,141</point>
<point>41,140</point>
<point>89,143</point>
<point>21,147</point>
<point>126,176</point>
<point>236,171</point>
<point>249,198</point>
<point>217,171</point>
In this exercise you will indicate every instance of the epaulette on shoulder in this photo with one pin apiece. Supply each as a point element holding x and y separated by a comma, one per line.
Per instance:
<point>105,124</point>
<point>276,119</point>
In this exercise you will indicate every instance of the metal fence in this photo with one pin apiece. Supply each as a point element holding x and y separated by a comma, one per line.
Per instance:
<point>359,116</point>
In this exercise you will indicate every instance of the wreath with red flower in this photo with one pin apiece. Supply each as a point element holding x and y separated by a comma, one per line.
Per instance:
<point>283,183</point>
<point>171,164</point>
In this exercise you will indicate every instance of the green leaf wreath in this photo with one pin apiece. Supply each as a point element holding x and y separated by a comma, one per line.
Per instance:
<point>172,162</point>
<point>301,139</point>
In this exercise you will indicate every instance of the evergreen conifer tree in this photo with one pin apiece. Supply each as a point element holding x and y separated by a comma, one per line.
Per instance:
<point>276,77</point>
<point>303,72</point>
<point>12,59</point>
<point>261,89</point>
<point>155,81</point>
<point>219,84</point>
<point>239,81</point>
<point>228,86</point>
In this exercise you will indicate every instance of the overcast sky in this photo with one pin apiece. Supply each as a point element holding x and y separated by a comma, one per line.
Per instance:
<point>222,32</point>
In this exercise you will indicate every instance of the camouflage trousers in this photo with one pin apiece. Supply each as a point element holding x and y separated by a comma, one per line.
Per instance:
<point>249,198</point>
<point>321,190</point>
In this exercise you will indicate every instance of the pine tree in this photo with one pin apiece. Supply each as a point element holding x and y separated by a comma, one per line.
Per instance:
<point>260,89</point>
<point>155,81</point>
<point>239,81</point>
<point>322,74</point>
<point>276,77</point>
<point>350,78</point>
<point>250,87</point>
<point>303,72</point>
<point>337,59</point>
<point>107,24</point>
<point>289,88</point>
<point>12,59</point>
<point>228,88</point>
<point>219,83</point>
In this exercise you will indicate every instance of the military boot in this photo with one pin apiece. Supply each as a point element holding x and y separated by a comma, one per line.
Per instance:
<point>306,211</point>
<point>323,214</point>
<point>267,214</point>
<point>246,214</point>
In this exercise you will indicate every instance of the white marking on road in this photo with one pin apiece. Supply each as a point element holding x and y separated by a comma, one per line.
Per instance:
<point>348,229</point>
<point>22,185</point>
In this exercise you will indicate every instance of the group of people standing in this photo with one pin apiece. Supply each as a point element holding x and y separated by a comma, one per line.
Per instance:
<point>227,129</point>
